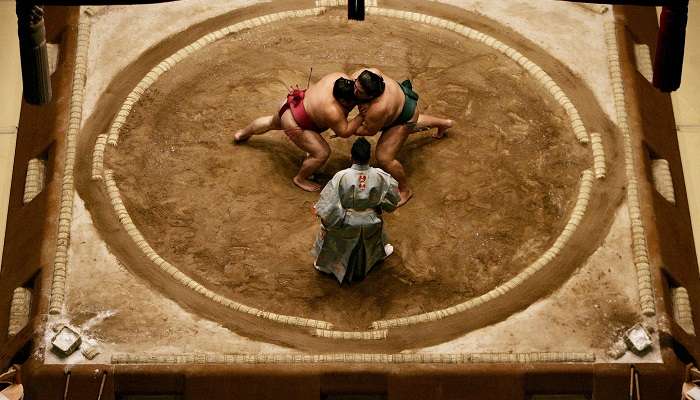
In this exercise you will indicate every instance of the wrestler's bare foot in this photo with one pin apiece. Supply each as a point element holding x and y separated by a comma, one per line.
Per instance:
<point>405,197</point>
<point>306,184</point>
<point>443,129</point>
<point>238,137</point>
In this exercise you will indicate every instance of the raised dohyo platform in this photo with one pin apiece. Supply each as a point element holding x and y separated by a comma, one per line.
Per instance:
<point>533,242</point>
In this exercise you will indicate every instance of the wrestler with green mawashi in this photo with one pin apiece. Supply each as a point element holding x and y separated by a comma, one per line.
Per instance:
<point>392,108</point>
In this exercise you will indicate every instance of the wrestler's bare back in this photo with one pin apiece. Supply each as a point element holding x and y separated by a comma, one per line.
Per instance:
<point>320,104</point>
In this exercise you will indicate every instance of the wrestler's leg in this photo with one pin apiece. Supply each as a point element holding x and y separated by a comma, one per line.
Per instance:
<point>313,144</point>
<point>257,127</point>
<point>426,122</point>
<point>318,152</point>
<point>388,147</point>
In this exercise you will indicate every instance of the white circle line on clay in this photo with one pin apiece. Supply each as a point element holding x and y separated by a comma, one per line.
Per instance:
<point>587,179</point>
<point>98,156</point>
<point>532,68</point>
<point>58,284</point>
<point>598,155</point>
<point>378,334</point>
<point>353,358</point>
<point>133,232</point>
<point>640,251</point>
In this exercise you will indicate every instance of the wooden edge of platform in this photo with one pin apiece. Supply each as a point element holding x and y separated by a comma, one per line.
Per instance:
<point>668,233</point>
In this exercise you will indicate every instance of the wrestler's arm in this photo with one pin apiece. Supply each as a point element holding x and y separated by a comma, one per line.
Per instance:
<point>372,123</point>
<point>345,128</point>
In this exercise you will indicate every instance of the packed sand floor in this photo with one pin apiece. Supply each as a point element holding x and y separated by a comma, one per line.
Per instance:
<point>489,200</point>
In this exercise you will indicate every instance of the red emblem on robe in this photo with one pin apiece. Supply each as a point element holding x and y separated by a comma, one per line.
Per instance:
<point>362,182</point>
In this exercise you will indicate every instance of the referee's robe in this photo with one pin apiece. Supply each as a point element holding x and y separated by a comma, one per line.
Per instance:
<point>351,240</point>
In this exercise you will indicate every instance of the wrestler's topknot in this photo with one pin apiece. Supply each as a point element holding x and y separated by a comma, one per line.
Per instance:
<point>344,89</point>
<point>372,83</point>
